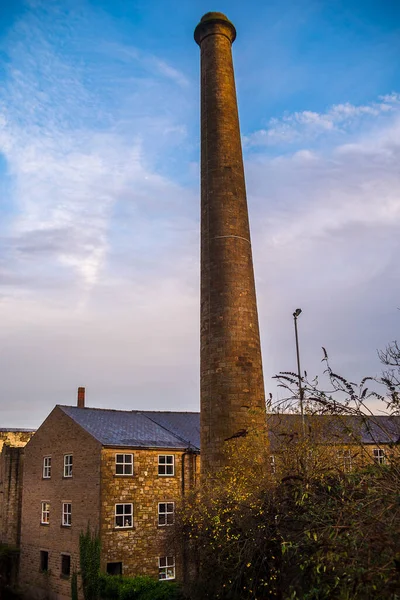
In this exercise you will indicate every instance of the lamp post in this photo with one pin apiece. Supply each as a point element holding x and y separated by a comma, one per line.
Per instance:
<point>296,314</point>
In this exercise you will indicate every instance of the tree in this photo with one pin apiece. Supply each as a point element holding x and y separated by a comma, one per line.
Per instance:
<point>89,558</point>
<point>311,530</point>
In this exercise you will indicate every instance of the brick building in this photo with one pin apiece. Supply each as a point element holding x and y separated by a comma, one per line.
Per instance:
<point>12,442</point>
<point>121,472</point>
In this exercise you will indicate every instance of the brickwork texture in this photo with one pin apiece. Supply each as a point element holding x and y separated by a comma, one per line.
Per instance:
<point>231,378</point>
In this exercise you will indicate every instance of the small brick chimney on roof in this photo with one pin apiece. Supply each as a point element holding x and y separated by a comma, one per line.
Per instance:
<point>81,397</point>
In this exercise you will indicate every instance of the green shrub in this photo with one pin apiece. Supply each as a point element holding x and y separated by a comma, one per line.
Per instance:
<point>114,587</point>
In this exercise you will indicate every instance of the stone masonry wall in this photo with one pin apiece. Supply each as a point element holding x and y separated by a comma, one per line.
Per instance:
<point>139,547</point>
<point>231,381</point>
<point>15,437</point>
<point>12,442</point>
<point>58,435</point>
<point>11,469</point>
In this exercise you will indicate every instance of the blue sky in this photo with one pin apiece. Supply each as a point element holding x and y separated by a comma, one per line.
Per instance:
<point>99,192</point>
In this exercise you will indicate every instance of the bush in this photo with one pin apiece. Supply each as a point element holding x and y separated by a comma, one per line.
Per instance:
<point>113,587</point>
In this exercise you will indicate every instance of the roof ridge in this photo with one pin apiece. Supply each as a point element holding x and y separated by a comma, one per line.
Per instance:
<point>135,410</point>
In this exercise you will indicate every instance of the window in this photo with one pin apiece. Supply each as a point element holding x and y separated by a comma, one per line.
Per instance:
<point>346,459</point>
<point>272,464</point>
<point>166,464</point>
<point>166,513</point>
<point>114,568</point>
<point>47,467</point>
<point>124,515</point>
<point>66,514</point>
<point>379,456</point>
<point>44,561</point>
<point>124,464</point>
<point>65,565</point>
<point>166,567</point>
<point>44,519</point>
<point>67,465</point>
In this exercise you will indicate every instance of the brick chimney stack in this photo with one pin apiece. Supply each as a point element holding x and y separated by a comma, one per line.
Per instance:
<point>231,376</point>
<point>81,397</point>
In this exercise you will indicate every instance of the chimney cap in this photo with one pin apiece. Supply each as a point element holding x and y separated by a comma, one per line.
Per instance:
<point>214,18</point>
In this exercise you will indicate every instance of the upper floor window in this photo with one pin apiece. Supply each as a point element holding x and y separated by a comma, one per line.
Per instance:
<point>45,516</point>
<point>166,567</point>
<point>124,464</point>
<point>66,514</point>
<point>67,465</point>
<point>47,467</point>
<point>345,458</point>
<point>124,515</point>
<point>272,463</point>
<point>166,464</point>
<point>65,565</point>
<point>166,512</point>
<point>379,456</point>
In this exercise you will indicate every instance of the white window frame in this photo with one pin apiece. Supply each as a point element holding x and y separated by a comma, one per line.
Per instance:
<point>169,511</point>
<point>272,463</point>
<point>124,464</point>
<point>66,516</point>
<point>68,461</point>
<point>46,473</point>
<point>45,513</point>
<point>163,464</point>
<point>124,515</point>
<point>346,459</point>
<point>379,456</point>
<point>166,568</point>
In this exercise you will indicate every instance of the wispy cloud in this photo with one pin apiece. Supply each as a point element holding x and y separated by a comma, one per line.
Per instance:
<point>71,161</point>
<point>308,125</point>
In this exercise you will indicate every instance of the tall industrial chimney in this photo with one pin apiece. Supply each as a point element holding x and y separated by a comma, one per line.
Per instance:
<point>231,378</point>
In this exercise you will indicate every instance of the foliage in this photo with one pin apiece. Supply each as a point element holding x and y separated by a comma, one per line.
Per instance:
<point>114,587</point>
<point>9,557</point>
<point>89,557</point>
<point>74,585</point>
<point>311,530</point>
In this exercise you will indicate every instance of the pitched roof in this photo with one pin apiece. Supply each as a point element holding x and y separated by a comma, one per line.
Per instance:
<point>163,429</point>
<point>142,429</point>
<point>341,429</point>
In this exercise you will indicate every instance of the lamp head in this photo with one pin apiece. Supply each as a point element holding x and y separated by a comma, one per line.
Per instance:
<point>297,313</point>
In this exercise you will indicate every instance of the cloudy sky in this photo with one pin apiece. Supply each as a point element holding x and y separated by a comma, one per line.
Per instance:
<point>99,193</point>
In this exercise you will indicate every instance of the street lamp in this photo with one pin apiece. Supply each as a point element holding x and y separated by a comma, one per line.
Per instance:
<point>296,314</point>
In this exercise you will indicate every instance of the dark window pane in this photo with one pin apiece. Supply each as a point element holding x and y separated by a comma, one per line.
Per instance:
<point>44,560</point>
<point>114,568</point>
<point>65,564</point>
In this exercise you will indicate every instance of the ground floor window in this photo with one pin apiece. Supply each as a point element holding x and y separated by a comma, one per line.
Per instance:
<point>166,567</point>
<point>65,565</point>
<point>114,568</point>
<point>124,515</point>
<point>44,561</point>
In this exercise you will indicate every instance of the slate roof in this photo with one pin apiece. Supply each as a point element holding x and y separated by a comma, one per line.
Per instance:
<point>341,429</point>
<point>141,429</point>
<point>181,430</point>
